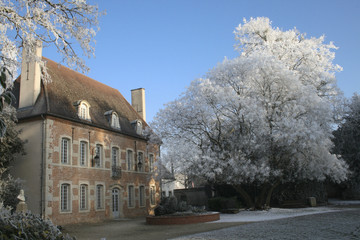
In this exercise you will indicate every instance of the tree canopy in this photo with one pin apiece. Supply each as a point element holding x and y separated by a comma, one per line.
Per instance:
<point>60,23</point>
<point>262,118</point>
<point>347,138</point>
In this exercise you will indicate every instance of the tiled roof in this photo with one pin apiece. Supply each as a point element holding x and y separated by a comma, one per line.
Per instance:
<point>67,87</point>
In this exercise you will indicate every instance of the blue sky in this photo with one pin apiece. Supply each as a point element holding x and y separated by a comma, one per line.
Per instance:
<point>163,45</point>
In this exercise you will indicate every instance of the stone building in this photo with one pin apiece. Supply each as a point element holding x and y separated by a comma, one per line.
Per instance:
<point>87,158</point>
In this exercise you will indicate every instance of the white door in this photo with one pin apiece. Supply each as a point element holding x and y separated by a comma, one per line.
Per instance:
<point>116,203</point>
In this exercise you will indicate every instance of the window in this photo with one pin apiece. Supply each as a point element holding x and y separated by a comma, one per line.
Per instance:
<point>142,196</point>
<point>152,195</point>
<point>151,162</point>
<point>83,153</point>
<point>65,197</point>
<point>99,153</point>
<point>137,125</point>
<point>99,196</point>
<point>83,197</point>
<point>140,162</point>
<point>114,156</point>
<point>84,110</point>
<point>115,121</point>
<point>65,151</point>
<point>131,196</point>
<point>130,160</point>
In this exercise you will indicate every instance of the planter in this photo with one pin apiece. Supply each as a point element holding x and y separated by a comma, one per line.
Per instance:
<point>185,219</point>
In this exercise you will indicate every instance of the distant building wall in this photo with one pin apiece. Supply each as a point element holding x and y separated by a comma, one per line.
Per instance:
<point>28,167</point>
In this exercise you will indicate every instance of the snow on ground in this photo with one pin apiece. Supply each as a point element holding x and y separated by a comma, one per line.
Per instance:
<point>343,202</point>
<point>279,213</point>
<point>272,214</point>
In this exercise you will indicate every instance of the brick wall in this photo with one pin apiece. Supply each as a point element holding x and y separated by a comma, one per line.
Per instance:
<point>74,174</point>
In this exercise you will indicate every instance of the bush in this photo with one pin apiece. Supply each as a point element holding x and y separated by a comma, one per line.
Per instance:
<point>28,226</point>
<point>183,207</point>
<point>9,190</point>
<point>167,206</point>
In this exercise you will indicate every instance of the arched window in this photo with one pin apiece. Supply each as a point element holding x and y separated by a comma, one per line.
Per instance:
<point>115,120</point>
<point>65,197</point>
<point>65,151</point>
<point>83,153</point>
<point>142,196</point>
<point>99,153</point>
<point>130,160</point>
<point>151,162</point>
<point>99,196</point>
<point>83,108</point>
<point>83,197</point>
<point>140,163</point>
<point>131,196</point>
<point>139,127</point>
<point>152,195</point>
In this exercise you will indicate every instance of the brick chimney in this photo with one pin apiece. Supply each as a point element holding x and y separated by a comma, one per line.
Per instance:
<point>138,101</point>
<point>30,84</point>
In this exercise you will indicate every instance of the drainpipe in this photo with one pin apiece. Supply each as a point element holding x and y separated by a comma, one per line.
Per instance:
<point>160,167</point>
<point>43,171</point>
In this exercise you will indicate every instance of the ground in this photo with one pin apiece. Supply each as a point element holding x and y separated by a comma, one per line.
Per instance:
<point>331,222</point>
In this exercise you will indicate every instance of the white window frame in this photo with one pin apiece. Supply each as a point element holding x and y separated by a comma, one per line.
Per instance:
<point>99,148</point>
<point>83,153</point>
<point>65,150</point>
<point>152,192</point>
<point>142,199</point>
<point>140,153</point>
<point>139,128</point>
<point>84,197</point>
<point>131,196</point>
<point>99,196</point>
<point>115,157</point>
<point>130,160</point>
<point>151,162</point>
<point>84,110</point>
<point>115,120</point>
<point>65,197</point>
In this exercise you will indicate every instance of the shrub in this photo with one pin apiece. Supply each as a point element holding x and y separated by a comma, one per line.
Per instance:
<point>182,206</point>
<point>9,190</point>
<point>171,205</point>
<point>28,226</point>
<point>167,206</point>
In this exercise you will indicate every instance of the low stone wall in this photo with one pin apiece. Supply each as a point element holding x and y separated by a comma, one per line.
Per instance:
<point>189,219</point>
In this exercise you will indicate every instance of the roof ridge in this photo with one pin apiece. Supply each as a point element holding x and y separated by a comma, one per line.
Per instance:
<point>100,83</point>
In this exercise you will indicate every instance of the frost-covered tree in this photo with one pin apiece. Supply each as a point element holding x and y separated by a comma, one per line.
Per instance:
<point>53,22</point>
<point>346,141</point>
<point>60,23</point>
<point>263,118</point>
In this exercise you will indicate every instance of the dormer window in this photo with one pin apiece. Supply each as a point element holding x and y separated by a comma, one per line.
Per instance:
<point>137,125</point>
<point>113,119</point>
<point>83,108</point>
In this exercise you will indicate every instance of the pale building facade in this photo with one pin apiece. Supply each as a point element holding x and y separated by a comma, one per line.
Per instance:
<point>87,159</point>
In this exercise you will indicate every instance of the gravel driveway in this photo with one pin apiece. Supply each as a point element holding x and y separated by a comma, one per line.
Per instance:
<point>334,225</point>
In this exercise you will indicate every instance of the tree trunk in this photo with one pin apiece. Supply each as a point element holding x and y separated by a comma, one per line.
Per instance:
<point>245,196</point>
<point>268,197</point>
<point>260,202</point>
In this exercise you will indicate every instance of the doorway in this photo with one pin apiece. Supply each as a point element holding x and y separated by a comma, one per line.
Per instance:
<point>116,202</point>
